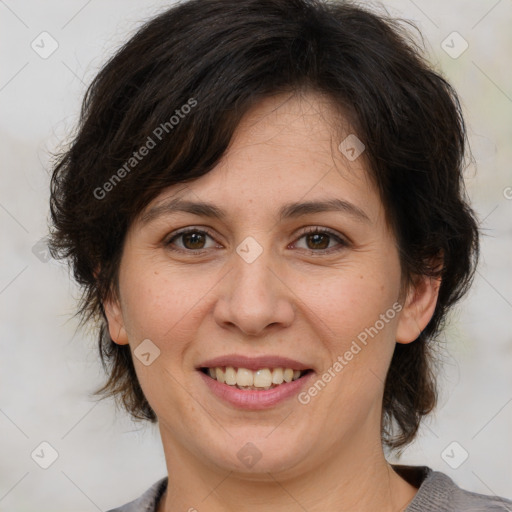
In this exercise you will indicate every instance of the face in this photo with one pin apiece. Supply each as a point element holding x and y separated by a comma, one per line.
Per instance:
<point>259,289</point>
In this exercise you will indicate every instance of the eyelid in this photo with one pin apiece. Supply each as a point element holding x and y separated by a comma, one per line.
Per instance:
<point>343,241</point>
<point>322,230</point>
<point>183,231</point>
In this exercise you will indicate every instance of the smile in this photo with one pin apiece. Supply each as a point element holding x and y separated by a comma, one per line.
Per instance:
<point>246,379</point>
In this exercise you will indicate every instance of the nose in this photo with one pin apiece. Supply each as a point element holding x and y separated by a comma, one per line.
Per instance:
<point>255,297</point>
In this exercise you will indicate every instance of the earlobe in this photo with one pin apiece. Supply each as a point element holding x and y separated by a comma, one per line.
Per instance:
<point>418,308</point>
<point>115,321</point>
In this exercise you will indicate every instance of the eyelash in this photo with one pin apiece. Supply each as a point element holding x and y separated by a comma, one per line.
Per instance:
<point>309,231</point>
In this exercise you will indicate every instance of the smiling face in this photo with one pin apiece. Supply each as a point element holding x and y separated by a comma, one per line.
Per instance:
<point>249,286</point>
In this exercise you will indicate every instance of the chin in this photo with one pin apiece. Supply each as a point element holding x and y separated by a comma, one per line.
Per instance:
<point>256,456</point>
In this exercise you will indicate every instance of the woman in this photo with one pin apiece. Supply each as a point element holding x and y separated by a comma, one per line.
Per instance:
<point>264,205</point>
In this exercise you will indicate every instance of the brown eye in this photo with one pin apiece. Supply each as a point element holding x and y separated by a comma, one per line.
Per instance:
<point>318,240</point>
<point>192,240</point>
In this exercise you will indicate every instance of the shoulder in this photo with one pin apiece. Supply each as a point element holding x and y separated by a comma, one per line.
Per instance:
<point>147,502</point>
<point>439,492</point>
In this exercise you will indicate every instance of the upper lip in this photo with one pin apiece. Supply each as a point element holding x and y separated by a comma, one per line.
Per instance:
<point>254,363</point>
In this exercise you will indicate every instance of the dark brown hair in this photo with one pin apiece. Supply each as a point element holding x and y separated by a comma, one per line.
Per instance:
<point>192,72</point>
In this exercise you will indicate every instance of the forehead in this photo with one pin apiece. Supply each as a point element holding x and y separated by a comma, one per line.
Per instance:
<point>285,151</point>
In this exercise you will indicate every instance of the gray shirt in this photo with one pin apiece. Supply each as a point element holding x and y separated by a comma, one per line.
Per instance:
<point>437,492</point>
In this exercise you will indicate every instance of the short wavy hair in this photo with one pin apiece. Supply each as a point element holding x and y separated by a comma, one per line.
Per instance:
<point>219,58</point>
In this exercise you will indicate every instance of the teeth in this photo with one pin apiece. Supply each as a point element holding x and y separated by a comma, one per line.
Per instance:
<point>243,378</point>
<point>277,376</point>
<point>263,378</point>
<point>219,375</point>
<point>230,376</point>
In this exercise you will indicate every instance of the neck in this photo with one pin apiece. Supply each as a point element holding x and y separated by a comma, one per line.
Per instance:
<point>355,478</point>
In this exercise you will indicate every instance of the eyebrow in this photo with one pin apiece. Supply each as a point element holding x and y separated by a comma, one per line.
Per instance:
<point>287,211</point>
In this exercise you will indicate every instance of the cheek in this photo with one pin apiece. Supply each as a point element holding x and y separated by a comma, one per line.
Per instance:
<point>155,302</point>
<point>355,316</point>
<point>347,302</point>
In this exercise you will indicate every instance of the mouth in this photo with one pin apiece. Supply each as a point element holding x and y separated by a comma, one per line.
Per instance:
<point>254,383</point>
<point>261,379</point>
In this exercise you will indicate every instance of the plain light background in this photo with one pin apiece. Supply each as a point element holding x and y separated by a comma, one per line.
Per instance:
<point>48,369</point>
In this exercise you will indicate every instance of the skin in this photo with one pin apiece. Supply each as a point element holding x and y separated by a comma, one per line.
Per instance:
<point>323,456</point>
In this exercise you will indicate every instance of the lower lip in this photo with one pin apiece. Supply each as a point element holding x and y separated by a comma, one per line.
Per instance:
<point>252,399</point>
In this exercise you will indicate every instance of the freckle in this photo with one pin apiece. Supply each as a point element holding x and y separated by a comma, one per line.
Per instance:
<point>361,276</point>
<point>156,272</point>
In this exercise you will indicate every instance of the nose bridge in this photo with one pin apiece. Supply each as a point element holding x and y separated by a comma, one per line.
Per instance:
<point>252,277</point>
<point>254,297</point>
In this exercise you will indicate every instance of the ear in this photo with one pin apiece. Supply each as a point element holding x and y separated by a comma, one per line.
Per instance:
<point>418,308</point>
<point>115,321</point>
<point>114,316</point>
